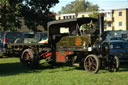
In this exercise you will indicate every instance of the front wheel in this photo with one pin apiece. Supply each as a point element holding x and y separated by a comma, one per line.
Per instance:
<point>92,64</point>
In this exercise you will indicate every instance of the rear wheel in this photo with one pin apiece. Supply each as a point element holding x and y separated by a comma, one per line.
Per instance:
<point>91,64</point>
<point>29,59</point>
<point>114,64</point>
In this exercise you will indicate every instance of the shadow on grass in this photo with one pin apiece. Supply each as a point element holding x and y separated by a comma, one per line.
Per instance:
<point>122,68</point>
<point>8,69</point>
<point>13,69</point>
<point>54,68</point>
<point>16,68</point>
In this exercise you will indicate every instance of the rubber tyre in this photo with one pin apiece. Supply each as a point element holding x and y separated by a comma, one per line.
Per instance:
<point>29,59</point>
<point>115,65</point>
<point>92,63</point>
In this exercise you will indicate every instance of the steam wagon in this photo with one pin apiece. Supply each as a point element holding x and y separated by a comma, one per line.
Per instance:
<point>77,41</point>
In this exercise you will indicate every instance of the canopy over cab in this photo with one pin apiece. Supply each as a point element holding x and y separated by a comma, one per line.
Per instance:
<point>55,27</point>
<point>70,32</point>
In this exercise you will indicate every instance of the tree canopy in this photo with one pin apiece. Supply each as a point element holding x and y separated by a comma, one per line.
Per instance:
<point>79,6</point>
<point>34,12</point>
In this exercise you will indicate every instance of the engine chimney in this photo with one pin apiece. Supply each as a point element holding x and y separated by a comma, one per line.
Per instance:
<point>101,23</point>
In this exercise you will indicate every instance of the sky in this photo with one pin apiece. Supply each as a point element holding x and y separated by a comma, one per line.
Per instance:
<point>103,4</point>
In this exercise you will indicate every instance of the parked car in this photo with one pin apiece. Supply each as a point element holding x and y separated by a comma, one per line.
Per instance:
<point>19,37</point>
<point>8,37</point>
<point>35,37</point>
<point>1,35</point>
<point>119,48</point>
<point>115,34</point>
<point>42,37</point>
<point>29,37</point>
<point>116,38</point>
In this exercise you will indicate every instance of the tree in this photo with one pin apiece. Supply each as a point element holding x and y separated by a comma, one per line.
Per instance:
<point>34,12</point>
<point>8,13</point>
<point>68,8</point>
<point>78,6</point>
<point>94,15</point>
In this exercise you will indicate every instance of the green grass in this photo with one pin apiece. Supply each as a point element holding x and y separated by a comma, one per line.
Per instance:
<point>13,73</point>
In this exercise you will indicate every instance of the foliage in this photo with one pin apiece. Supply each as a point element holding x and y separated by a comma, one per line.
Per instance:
<point>94,15</point>
<point>68,8</point>
<point>79,6</point>
<point>34,12</point>
<point>13,73</point>
<point>8,13</point>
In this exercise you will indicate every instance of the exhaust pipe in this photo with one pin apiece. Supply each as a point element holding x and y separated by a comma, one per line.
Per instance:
<point>101,23</point>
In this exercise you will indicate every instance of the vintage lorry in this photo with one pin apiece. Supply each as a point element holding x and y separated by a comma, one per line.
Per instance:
<point>77,41</point>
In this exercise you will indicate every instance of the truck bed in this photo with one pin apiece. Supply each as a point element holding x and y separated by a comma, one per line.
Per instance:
<point>19,46</point>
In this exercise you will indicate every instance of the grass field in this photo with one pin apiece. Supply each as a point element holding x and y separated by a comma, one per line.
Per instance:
<point>13,73</point>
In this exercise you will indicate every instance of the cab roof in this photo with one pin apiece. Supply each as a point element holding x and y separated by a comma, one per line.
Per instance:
<point>69,22</point>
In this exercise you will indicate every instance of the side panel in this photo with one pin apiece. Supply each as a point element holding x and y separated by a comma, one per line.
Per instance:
<point>78,41</point>
<point>73,41</point>
<point>61,56</point>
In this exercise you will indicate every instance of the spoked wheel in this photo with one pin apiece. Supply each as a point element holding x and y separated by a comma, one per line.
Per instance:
<point>91,64</point>
<point>29,59</point>
<point>114,64</point>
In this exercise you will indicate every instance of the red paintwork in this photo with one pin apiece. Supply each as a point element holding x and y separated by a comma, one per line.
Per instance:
<point>5,40</point>
<point>46,42</point>
<point>59,57</point>
<point>62,57</point>
<point>46,55</point>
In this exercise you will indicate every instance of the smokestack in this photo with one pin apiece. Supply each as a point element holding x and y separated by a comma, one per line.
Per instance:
<point>101,23</point>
